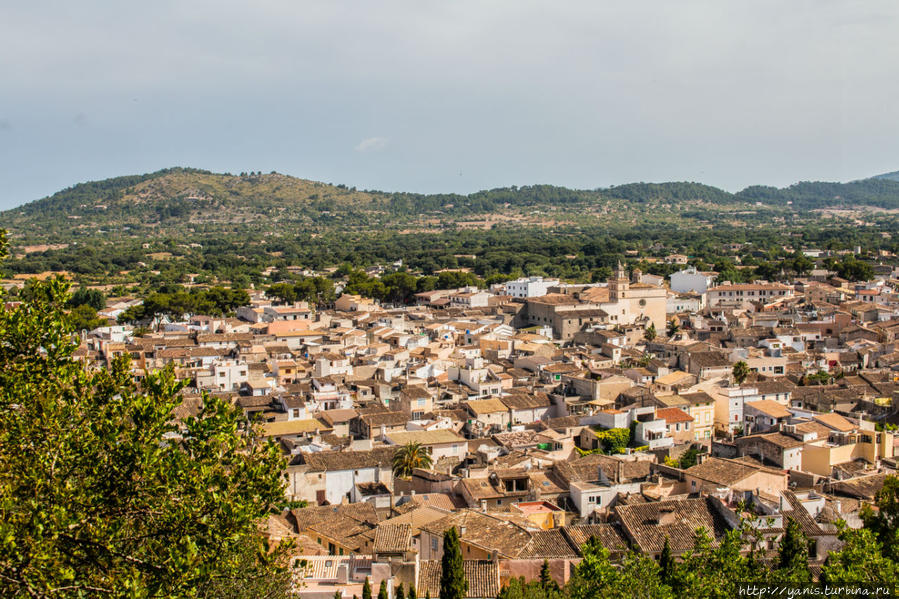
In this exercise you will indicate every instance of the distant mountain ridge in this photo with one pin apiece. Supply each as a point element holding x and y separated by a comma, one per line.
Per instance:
<point>185,199</point>
<point>894,176</point>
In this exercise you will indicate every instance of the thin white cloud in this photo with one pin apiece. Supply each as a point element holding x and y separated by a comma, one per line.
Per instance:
<point>371,144</point>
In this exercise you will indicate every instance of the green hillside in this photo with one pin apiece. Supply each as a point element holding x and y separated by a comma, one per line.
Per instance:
<point>894,176</point>
<point>182,201</point>
<point>177,223</point>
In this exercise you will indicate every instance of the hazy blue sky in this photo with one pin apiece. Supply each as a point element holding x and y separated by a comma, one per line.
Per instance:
<point>449,95</point>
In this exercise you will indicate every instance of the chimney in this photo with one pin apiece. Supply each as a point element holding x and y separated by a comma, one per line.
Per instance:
<point>343,575</point>
<point>666,516</point>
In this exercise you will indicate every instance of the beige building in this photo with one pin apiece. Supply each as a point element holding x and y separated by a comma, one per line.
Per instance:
<point>627,304</point>
<point>354,303</point>
<point>739,294</point>
<point>841,446</point>
<point>635,303</point>
<point>715,474</point>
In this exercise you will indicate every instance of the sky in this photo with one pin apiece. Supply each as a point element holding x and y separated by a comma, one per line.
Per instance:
<point>449,95</point>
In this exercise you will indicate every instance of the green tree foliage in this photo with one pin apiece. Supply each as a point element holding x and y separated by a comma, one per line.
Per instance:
<point>382,590</point>
<point>400,592</point>
<point>614,440</point>
<point>517,588</point>
<point>740,372</point>
<point>792,554</point>
<point>855,270</point>
<point>453,584</point>
<point>400,287</point>
<point>366,589</point>
<point>596,576</point>
<point>318,291</point>
<point>716,571</point>
<point>412,594</point>
<point>409,457</point>
<point>84,318</point>
<point>673,327</point>
<point>102,493</point>
<point>215,301</point>
<point>689,458</point>
<point>650,333</point>
<point>884,522</point>
<point>546,579</point>
<point>800,263</point>
<point>667,565</point>
<point>90,297</point>
<point>861,559</point>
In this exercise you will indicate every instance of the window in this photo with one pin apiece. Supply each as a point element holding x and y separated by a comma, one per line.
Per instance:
<point>433,543</point>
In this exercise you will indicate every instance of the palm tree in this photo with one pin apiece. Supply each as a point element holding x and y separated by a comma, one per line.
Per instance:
<point>740,372</point>
<point>410,456</point>
<point>673,327</point>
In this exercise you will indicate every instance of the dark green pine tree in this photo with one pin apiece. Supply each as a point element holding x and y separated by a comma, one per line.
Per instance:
<point>792,555</point>
<point>666,563</point>
<point>400,592</point>
<point>453,584</point>
<point>338,595</point>
<point>382,591</point>
<point>366,589</point>
<point>546,579</point>
<point>412,594</point>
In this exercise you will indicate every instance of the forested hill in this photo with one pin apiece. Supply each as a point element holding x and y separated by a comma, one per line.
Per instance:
<point>894,176</point>
<point>183,200</point>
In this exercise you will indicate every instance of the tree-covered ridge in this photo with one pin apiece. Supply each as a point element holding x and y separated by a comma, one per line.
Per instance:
<point>876,192</point>
<point>185,202</point>
<point>894,176</point>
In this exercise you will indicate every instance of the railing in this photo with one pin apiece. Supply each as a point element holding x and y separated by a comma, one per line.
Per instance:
<point>663,442</point>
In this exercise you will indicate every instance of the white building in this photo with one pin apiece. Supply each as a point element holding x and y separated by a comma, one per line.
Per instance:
<point>529,286</point>
<point>678,303</point>
<point>227,375</point>
<point>692,280</point>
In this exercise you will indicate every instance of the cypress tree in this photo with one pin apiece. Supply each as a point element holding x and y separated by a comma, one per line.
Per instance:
<point>792,554</point>
<point>412,594</point>
<point>453,584</point>
<point>546,579</point>
<point>400,593</point>
<point>366,589</point>
<point>382,591</point>
<point>666,563</point>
